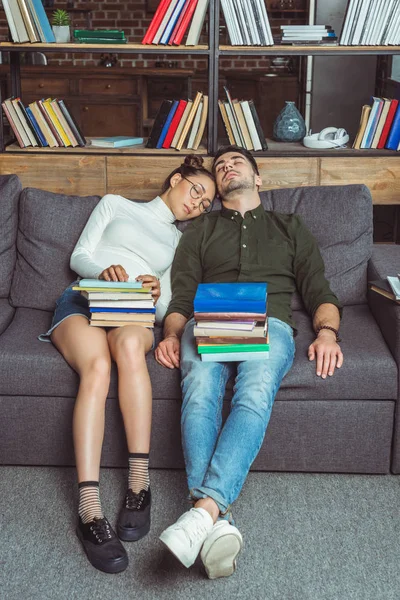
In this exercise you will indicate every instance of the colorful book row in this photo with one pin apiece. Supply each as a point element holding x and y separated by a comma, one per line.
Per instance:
<point>42,123</point>
<point>371,23</point>
<point>171,21</point>
<point>242,123</point>
<point>247,22</point>
<point>379,125</point>
<point>28,21</point>
<point>178,121</point>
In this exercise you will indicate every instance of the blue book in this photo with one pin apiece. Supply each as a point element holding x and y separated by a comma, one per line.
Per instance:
<point>172,22</point>
<point>100,283</point>
<point>372,122</point>
<point>167,123</point>
<point>122,310</point>
<point>117,141</point>
<point>393,140</point>
<point>231,297</point>
<point>44,21</point>
<point>35,126</point>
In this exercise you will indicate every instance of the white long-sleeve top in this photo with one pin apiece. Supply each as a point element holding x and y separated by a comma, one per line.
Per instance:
<point>139,236</point>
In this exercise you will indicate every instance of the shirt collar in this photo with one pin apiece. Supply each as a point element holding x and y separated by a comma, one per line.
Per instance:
<point>234,215</point>
<point>161,210</point>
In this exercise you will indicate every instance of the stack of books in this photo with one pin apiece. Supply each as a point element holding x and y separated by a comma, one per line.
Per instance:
<point>28,21</point>
<point>307,34</point>
<point>99,36</point>
<point>178,121</point>
<point>43,123</point>
<point>171,20</point>
<point>371,23</point>
<point>118,303</point>
<point>389,287</point>
<point>247,22</point>
<point>231,321</point>
<point>379,125</point>
<point>242,123</point>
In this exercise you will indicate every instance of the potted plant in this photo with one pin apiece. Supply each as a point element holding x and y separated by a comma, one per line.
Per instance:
<point>61,22</point>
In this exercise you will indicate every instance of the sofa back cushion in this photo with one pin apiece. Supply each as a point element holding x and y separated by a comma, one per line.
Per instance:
<point>341,220</point>
<point>49,227</point>
<point>10,189</point>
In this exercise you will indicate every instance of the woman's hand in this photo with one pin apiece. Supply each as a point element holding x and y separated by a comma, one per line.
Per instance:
<point>149,281</point>
<point>114,273</point>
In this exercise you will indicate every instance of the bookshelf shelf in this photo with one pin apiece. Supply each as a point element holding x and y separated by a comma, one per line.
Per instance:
<point>88,150</point>
<point>307,50</point>
<point>93,48</point>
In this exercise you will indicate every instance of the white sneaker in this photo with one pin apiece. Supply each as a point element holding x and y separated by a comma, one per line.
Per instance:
<point>185,537</point>
<point>220,550</point>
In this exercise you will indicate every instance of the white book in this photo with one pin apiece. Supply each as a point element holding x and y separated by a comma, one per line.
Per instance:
<point>370,24</point>
<point>253,24</point>
<point>121,303</point>
<point>392,23</point>
<point>265,20</point>
<point>347,23</point>
<point>393,36</point>
<point>36,21</point>
<point>197,23</point>
<point>372,35</point>
<point>360,22</point>
<point>244,28</point>
<point>232,122</point>
<point>355,20</point>
<point>235,22</point>
<point>260,23</point>
<point>394,283</point>
<point>17,122</point>
<point>10,21</point>
<point>382,23</point>
<point>116,295</point>
<point>18,21</point>
<point>229,22</point>
<point>234,356</point>
<point>195,126</point>
<point>164,22</point>
<point>375,108</point>
<point>367,23</point>
<point>24,123</point>
<point>303,27</point>
<point>389,21</point>
<point>255,140</point>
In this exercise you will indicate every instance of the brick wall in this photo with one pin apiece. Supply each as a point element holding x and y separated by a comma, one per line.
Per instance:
<point>133,18</point>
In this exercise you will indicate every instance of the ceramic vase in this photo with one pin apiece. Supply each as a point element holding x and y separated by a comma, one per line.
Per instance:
<point>289,125</point>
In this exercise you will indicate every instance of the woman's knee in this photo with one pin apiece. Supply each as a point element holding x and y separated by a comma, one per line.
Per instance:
<point>96,370</point>
<point>129,349</point>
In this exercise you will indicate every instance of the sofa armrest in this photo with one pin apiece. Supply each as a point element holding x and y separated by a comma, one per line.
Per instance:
<point>6,314</point>
<point>385,261</point>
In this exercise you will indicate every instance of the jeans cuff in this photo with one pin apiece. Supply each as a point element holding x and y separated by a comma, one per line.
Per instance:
<point>205,492</point>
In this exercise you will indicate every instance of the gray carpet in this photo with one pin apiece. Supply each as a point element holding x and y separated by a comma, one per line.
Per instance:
<point>306,537</point>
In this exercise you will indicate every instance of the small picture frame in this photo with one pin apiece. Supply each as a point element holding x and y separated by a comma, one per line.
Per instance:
<point>152,5</point>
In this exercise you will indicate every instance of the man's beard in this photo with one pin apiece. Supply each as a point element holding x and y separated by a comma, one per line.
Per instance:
<point>237,184</point>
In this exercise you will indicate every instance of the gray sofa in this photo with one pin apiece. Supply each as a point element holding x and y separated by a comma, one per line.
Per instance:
<point>347,423</point>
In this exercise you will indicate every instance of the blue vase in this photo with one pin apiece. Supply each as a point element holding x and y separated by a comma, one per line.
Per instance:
<point>289,125</point>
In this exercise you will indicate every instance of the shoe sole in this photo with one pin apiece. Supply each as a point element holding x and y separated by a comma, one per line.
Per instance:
<point>116,567</point>
<point>174,550</point>
<point>219,559</point>
<point>128,534</point>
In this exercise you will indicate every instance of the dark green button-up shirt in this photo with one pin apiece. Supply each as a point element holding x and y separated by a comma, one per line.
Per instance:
<point>222,246</point>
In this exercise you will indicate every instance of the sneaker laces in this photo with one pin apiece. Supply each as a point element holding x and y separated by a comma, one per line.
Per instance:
<point>101,529</point>
<point>133,500</point>
<point>196,531</point>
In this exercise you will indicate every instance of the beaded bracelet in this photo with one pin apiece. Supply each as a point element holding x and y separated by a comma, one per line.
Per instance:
<point>335,331</point>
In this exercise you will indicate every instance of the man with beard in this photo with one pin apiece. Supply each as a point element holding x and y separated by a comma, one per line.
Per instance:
<point>241,242</point>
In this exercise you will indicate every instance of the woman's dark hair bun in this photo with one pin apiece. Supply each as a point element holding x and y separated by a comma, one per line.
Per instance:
<point>194,161</point>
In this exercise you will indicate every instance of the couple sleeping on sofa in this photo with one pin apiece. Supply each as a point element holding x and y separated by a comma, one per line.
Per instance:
<point>241,242</point>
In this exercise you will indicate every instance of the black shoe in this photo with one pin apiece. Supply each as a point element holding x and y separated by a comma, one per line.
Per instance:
<point>103,548</point>
<point>134,517</point>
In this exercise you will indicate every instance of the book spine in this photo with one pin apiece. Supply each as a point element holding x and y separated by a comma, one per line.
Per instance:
<point>25,123</point>
<point>64,123</point>
<point>72,123</point>
<point>66,141</point>
<point>159,123</point>
<point>164,22</point>
<point>197,23</point>
<point>155,23</point>
<point>172,22</point>
<point>49,122</point>
<point>189,121</point>
<point>167,124</point>
<point>44,21</point>
<point>13,125</point>
<point>394,134</point>
<point>257,123</point>
<point>174,123</point>
<point>30,28</point>
<point>178,22</point>
<point>388,123</point>
<point>10,22</point>
<point>33,124</point>
<point>178,37</point>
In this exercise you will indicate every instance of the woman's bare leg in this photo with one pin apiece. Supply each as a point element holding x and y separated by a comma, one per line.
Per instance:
<point>128,346</point>
<point>86,350</point>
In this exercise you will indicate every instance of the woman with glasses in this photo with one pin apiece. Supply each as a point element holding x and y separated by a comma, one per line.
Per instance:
<point>122,241</point>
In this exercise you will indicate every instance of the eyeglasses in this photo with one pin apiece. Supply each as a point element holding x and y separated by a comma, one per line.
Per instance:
<point>196,192</point>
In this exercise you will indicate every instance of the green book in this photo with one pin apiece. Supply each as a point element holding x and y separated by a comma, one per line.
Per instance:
<point>215,349</point>
<point>100,41</point>
<point>99,33</point>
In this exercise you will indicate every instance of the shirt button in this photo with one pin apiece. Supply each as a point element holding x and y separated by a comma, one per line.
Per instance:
<point>244,226</point>
<point>232,218</point>
<point>235,213</point>
<point>255,217</point>
<point>244,246</point>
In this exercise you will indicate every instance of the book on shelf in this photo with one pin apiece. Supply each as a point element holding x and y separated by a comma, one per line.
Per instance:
<point>42,21</point>
<point>15,123</point>
<point>158,124</point>
<point>182,122</point>
<point>175,123</point>
<point>72,123</point>
<point>365,112</point>
<point>49,121</point>
<point>202,124</point>
<point>388,123</point>
<point>189,121</point>
<point>197,23</point>
<point>195,125</point>
<point>178,22</point>
<point>183,23</point>
<point>226,122</point>
<point>233,115</point>
<point>16,102</point>
<point>163,24</point>
<point>28,21</point>
<point>393,139</point>
<point>155,22</point>
<point>371,22</point>
<point>63,122</point>
<point>376,109</point>
<point>99,40</point>
<point>247,22</point>
<point>111,34</point>
<point>243,124</point>
<point>233,124</point>
<point>232,297</point>
<point>18,21</point>
<point>116,141</point>
<point>381,123</point>
<point>167,123</point>
<point>35,125</point>
<point>47,104</point>
<point>254,125</point>
<point>172,22</point>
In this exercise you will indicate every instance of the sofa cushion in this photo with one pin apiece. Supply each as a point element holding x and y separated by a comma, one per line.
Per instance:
<point>10,189</point>
<point>49,227</point>
<point>32,368</point>
<point>341,220</point>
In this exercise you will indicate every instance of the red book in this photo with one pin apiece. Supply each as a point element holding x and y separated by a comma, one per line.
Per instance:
<point>179,21</point>
<point>174,123</point>
<point>155,23</point>
<point>388,124</point>
<point>185,23</point>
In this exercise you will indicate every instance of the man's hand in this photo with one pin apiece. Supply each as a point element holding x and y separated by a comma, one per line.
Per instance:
<point>149,281</point>
<point>114,273</point>
<point>328,353</point>
<point>167,352</point>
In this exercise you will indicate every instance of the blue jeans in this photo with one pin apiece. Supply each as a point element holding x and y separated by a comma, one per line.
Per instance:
<point>219,459</point>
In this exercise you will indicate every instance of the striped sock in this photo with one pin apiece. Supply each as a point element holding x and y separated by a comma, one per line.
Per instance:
<point>138,472</point>
<point>89,501</point>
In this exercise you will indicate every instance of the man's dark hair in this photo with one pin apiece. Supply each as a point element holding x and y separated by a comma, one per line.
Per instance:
<point>238,150</point>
